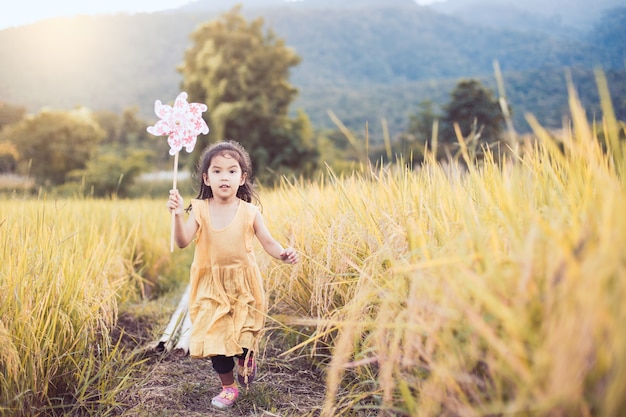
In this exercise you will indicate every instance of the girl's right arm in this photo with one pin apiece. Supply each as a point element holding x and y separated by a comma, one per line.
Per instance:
<point>184,232</point>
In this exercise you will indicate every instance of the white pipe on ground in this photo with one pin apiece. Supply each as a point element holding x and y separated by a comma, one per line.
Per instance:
<point>176,322</point>
<point>182,347</point>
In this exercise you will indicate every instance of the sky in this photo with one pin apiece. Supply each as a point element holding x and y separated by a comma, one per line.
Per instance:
<point>22,12</point>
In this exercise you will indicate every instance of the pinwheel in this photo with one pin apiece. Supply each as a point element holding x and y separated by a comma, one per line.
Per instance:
<point>182,124</point>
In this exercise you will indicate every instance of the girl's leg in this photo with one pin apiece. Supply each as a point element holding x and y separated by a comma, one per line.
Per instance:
<point>227,379</point>
<point>246,370</point>
<point>224,366</point>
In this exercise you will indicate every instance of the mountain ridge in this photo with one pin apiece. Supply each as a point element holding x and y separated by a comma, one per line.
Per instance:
<point>124,61</point>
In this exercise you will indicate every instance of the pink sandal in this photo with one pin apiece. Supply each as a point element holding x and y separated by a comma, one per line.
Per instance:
<point>246,373</point>
<point>226,398</point>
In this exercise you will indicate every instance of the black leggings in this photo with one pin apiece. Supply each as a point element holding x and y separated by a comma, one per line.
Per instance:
<point>225,364</point>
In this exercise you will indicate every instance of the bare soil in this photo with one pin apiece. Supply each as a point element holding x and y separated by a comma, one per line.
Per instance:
<point>172,384</point>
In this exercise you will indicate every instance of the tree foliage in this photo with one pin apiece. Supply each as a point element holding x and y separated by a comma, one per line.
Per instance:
<point>471,106</point>
<point>8,157</point>
<point>419,134</point>
<point>475,109</point>
<point>53,143</point>
<point>127,131</point>
<point>109,173</point>
<point>10,114</point>
<point>241,73</point>
<point>421,123</point>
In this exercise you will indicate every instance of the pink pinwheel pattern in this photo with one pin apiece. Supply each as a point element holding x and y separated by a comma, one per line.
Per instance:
<point>181,123</point>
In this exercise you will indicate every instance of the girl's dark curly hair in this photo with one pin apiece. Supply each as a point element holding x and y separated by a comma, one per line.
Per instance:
<point>233,149</point>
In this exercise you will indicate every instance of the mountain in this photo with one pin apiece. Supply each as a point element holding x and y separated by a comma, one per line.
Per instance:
<point>578,14</point>
<point>223,5</point>
<point>365,60</point>
<point>506,16</point>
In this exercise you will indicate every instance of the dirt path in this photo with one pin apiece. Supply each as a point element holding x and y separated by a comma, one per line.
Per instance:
<point>172,384</point>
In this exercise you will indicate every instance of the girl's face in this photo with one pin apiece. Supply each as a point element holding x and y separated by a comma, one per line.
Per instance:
<point>224,176</point>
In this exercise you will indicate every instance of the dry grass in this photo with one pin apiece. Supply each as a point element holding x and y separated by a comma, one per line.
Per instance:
<point>495,291</point>
<point>64,266</point>
<point>436,292</point>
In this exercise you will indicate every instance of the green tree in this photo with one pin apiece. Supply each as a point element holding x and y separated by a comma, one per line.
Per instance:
<point>125,130</point>
<point>241,73</point>
<point>475,109</point>
<point>128,132</point>
<point>109,173</point>
<point>421,123</point>
<point>417,138</point>
<point>53,143</point>
<point>8,157</point>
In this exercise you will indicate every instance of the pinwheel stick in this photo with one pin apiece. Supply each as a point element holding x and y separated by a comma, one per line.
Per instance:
<point>173,214</point>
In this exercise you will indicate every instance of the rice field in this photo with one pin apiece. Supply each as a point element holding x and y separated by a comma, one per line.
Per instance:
<point>497,290</point>
<point>65,267</point>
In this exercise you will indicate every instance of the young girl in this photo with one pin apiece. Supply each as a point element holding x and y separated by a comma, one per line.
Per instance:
<point>227,303</point>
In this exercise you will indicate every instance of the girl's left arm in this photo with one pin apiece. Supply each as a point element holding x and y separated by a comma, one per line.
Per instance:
<point>271,246</point>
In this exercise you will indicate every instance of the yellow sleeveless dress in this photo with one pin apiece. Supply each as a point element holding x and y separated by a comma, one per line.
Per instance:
<point>227,303</point>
